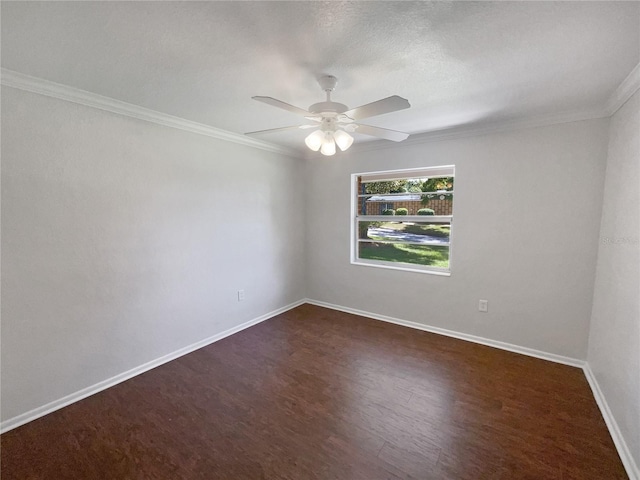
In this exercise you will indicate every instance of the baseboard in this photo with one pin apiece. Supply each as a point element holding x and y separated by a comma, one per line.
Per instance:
<point>574,362</point>
<point>110,382</point>
<point>614,431</point>
<point>623,450</point>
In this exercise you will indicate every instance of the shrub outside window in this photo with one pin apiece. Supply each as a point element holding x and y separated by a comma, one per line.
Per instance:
<point>403,219</point>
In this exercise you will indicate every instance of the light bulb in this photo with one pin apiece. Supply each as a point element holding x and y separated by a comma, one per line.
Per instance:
<point>314,140</point>
<point>328,145</point>
<point>343,139</point>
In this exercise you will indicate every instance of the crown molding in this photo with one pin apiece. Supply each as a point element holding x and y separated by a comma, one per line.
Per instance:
<point>621,94</point>
<point>625,90</point>
<point>10,78</point>
<point>483,128</point>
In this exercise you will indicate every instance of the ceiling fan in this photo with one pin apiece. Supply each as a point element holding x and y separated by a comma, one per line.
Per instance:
<point>334,121</point>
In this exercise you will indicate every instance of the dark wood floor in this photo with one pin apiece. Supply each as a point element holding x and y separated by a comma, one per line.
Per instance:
<point>319,394</point>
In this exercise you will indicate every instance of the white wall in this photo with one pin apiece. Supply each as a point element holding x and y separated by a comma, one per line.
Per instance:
<point>124,241</point>
<point>614,341</point>
<point>527,209</point>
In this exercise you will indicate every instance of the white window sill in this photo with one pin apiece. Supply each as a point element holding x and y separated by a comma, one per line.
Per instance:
<point>404,267</point>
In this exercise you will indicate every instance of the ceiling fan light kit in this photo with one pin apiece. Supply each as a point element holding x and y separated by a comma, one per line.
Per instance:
<point>314,140</point>
<point>343,139</point>
<point>327,137</point>
<point>328,145</point>
<point>334,120</point>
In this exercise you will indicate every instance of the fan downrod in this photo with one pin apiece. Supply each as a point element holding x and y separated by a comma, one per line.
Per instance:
<point>329,108</point>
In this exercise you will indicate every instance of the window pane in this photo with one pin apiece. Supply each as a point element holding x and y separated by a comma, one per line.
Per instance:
<point>439,203</point>
<point>428,255</point>
<point>401,232</point>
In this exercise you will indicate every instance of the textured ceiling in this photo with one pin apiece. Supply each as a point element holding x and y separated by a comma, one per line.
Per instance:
<point>458,63</point>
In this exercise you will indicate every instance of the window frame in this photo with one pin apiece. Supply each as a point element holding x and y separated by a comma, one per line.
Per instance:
<point>356,218</point>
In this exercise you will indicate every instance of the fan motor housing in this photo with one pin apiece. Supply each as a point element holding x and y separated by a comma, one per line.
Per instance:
<point>328,107</point>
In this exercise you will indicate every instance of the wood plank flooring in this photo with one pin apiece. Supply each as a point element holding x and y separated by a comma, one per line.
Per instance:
<point>320,394</point>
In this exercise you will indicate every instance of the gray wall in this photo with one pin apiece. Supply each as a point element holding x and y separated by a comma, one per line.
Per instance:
<point>614,342</point>
<point>525,236</point>
<point>124,241</point>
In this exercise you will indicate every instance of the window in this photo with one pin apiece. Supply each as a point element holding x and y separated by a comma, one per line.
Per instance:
<point>403,219</point>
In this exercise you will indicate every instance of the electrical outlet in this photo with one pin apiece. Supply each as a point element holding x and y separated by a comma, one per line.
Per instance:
<point>483,305</point>
<point>240,295</point>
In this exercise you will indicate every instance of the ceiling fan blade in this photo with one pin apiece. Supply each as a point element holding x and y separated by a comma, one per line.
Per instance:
<point>281,129</point>
<point>381,132</point>
<point>386,105</point>
<point>285,106</point>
